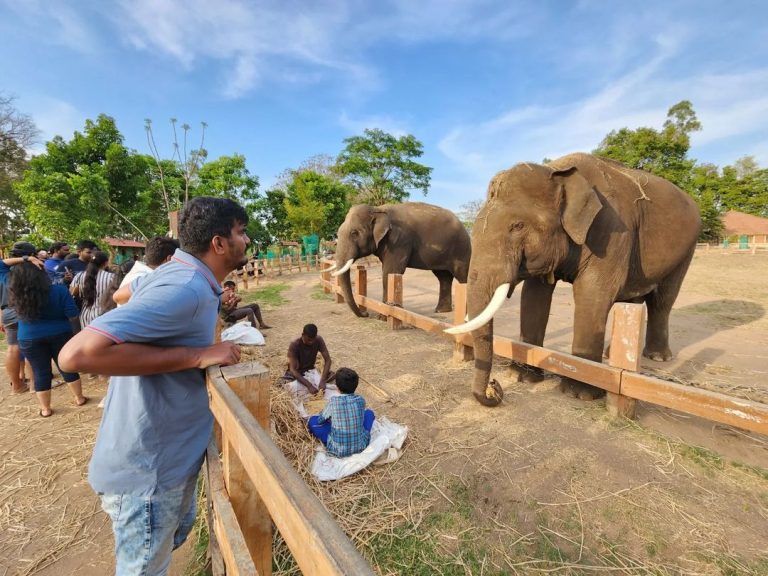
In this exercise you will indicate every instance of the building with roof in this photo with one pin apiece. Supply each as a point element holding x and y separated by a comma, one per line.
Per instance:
<point>746,229</point>
<point>121,250</point>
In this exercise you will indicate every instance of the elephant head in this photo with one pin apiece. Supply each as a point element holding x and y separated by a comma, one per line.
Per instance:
<point>360,235</point>
<point>532,217</point>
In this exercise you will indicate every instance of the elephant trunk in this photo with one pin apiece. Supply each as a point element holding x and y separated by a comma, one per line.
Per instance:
<point>346,287</point>
<point>485,295</point>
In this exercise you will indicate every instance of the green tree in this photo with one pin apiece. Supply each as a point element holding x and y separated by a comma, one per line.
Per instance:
<point>17,132</point>
<point>228,177</point>
<point>304,212</point>
<point>664,152</point>
<point>468,212</point>
<point>90,187</point>
<point>705,189</point>
<point>270,211</point>
<point>381,167</point>
<point>326,190</point>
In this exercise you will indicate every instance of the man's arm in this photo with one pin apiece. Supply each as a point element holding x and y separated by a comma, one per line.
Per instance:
<point>293,367</point>
<point>326,364</point>
<point>89,351</point>
<point>13,260</point>
<point>122,294</point>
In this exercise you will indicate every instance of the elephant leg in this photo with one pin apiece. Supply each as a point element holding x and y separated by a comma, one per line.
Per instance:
<point>535,304</point>
<point>660,303</point>
<point>592,305</point>
<point>444,302</point>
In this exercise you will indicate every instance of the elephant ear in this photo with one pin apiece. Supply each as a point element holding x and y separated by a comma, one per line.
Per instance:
<point>580,203</point>
<point>381,226</point>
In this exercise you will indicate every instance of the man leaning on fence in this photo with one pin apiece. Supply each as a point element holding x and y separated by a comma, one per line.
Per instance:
<point>157,423</point>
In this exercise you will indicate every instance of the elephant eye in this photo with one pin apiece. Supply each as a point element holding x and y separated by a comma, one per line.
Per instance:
<point>516,226</point>
<point>354,233</point>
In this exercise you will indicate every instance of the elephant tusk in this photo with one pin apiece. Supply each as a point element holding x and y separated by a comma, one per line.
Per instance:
<point>344,268</point>
<point>332,267</point>
<point>486,315</point>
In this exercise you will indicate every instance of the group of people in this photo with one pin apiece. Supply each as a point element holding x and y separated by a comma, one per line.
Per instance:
<point>47,296</point>
<point>155,339</point>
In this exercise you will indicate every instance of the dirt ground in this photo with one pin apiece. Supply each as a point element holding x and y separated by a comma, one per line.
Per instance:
<point>541,483</point>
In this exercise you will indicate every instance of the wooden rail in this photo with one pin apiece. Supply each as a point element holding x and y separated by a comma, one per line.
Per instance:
<point>252,485</point>
<point>255,270</point>
<point>620,378</point>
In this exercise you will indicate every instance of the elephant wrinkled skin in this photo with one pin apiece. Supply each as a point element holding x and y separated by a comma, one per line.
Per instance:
<point>616,234</point>
<point>409,235</point>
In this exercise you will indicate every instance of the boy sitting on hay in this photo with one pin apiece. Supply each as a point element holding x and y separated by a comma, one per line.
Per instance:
<point>344,425</point>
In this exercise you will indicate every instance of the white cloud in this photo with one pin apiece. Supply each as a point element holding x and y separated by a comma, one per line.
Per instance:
<point>54,21</point>
<point>728,105</point>
<point>280,40</point>
<point>54,117</point>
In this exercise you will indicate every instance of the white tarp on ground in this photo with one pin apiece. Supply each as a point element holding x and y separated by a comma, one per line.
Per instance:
<point>243,333</point>
<point>386,446</point>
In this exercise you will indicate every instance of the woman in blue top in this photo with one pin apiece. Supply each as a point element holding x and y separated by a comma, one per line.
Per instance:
<point>48,316</point>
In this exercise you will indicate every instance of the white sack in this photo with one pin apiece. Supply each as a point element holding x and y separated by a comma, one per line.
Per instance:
<point>243,333</point>
<point>386,443</point>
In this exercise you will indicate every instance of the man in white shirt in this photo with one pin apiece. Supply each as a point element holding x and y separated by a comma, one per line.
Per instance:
<point>158,251</point>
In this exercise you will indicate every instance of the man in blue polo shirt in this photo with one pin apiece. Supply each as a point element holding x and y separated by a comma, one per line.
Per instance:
<point>157,423</point>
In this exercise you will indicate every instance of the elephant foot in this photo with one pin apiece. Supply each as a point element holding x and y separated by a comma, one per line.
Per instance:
<point>528,374</point>
<point>658,355</point>
<point>579,390</point>
<point>492,396</point>
<point>444,308</point>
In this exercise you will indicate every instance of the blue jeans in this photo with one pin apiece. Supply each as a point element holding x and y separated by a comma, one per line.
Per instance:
<point>148,528</point>
<point>321,431</point>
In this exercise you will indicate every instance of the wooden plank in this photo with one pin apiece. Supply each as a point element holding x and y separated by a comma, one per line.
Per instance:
<point>395,293</point>
<point>318,545</point>
<point>215,558</point>
<point>337,289</point>
<point>461,352</point>
<point>250,382</point>
<point>710,405</point>
<point>361,283</point>
<point>234,550</point>
<point>594,373</point>
<point>627,337</point>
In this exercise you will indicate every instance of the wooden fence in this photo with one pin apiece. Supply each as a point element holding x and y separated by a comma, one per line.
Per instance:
<point>732,248</point>
<point>250,485</point>
<point>255,270</point>
<point>619,377</point>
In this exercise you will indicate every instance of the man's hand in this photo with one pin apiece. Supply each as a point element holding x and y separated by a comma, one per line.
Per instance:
<point>222,353</point>
<point>322,384</point>
<point>39,263</point>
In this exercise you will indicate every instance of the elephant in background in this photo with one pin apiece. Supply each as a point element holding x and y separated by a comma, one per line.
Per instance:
<point>409,235</point>
<point>616,234</point>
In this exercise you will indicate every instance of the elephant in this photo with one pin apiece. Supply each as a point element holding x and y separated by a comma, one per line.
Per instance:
<point>616,234</point>
<point>409,235</point>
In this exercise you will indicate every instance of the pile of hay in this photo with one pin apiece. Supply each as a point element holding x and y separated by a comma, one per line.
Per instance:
<point>367,505</point>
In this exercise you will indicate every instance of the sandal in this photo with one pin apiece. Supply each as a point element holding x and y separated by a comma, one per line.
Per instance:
<point>50,413</point>
<point>83,403</point>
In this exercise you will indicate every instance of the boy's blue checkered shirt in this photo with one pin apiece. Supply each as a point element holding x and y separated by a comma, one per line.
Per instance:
<point>347,434</point>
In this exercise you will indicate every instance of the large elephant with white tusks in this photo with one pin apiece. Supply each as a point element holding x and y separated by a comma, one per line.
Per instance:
<point>408,235</point>
<point>616,234</point>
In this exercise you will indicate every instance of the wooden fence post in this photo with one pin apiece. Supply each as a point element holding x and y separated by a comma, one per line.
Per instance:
<point>250,381</point>
<point>337,290</point>
<point>461,353</point>
<point>627,341</point>
<point>326,276</point>
<point>361,283</point>
<point>395,292</point>
<point>245,276</point>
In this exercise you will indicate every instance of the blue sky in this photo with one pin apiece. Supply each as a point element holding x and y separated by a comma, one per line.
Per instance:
<point>482,84</point>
